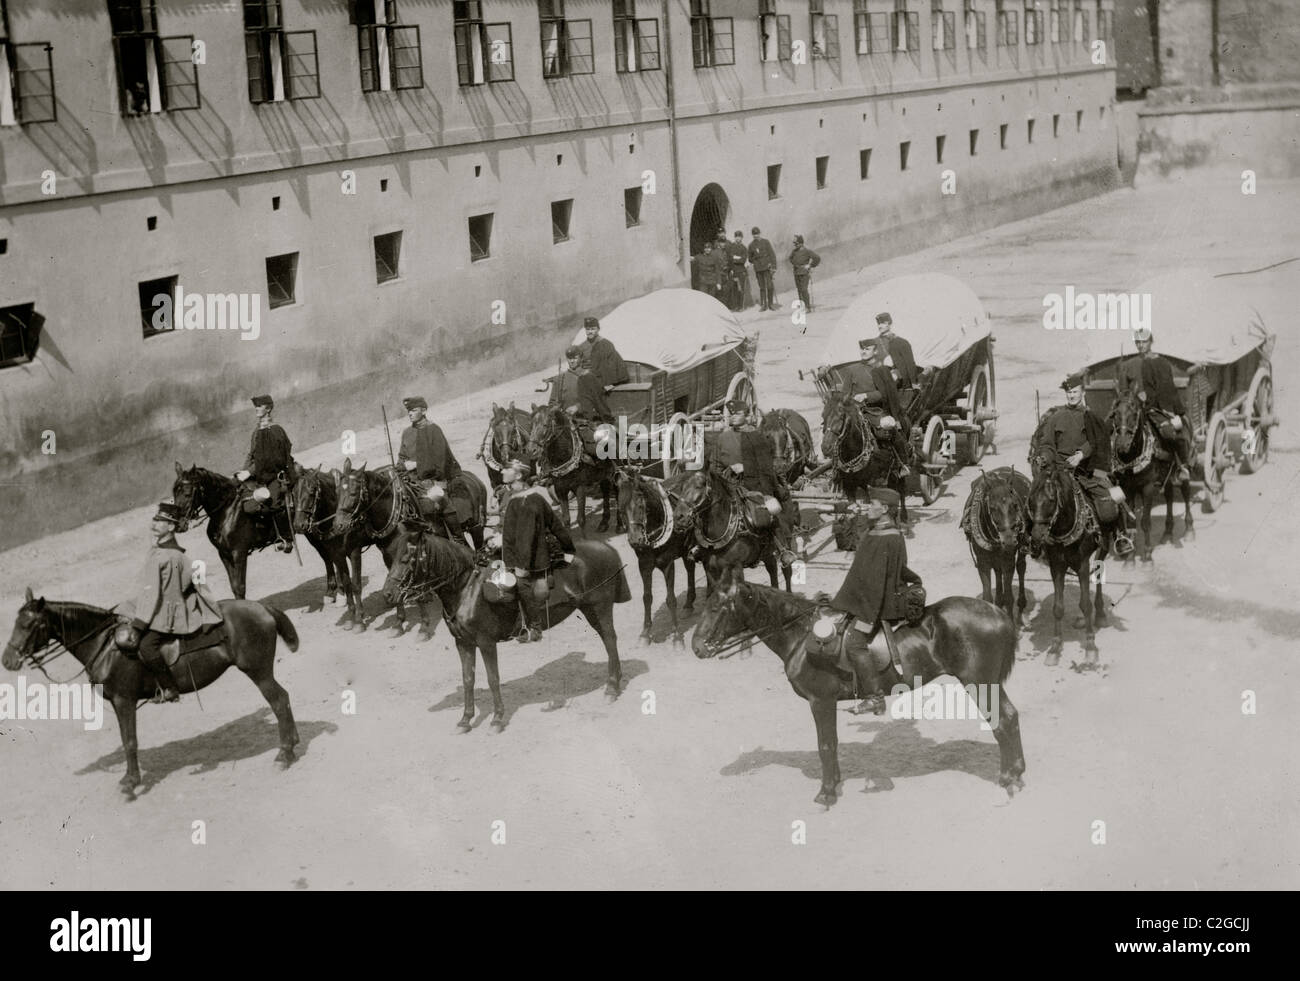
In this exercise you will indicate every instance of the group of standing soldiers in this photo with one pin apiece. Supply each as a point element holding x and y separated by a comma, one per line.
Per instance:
<point>720,269</point>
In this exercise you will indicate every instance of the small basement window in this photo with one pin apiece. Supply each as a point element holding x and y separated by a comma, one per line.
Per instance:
<point>281,279</point>
<point>388,251</point>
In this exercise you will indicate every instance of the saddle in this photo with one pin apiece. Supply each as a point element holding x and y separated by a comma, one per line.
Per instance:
<point>209,636</point>
<point>830,654</point>
<point>751,505</point>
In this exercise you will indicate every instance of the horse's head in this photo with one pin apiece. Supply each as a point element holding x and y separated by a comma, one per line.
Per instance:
<point>689,495</point>
<point>726,616</point>
<point>411,558</point>
<point>1125,418</point>
<point>353,496</point>
<point>31,633</point>
<point>187,494</point>
<point>1047,496</point>
<point>838,414</point>
<point>784,451</point>
<point>1006,509</point>
<point>509,439</point>
<point>305,498</point>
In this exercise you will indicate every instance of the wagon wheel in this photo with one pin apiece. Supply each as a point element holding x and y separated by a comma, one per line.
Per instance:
<point>978,402</point>
<point>741,390</point>
<point>1259,409</point>
<point>678,426</point>
<point>1215,461</point>
<point>931,449</point>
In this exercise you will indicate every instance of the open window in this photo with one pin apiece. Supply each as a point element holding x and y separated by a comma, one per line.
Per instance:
<point>281,64</point>
<point>154,73</point>
<point>389,52</point>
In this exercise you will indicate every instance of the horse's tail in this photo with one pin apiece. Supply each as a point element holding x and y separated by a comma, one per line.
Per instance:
<point>284,628</point>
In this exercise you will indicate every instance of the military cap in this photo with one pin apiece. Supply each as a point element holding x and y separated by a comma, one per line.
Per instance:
<point>884,319</point>
<point>169,512</point>
<point>516,470</point>
<point>1073,380</point>
<point>591,322</point>
<point>754,230</point>
<point>573,351</point>
<point>1142,334</point>
<point>889,498</point>
<point>415,402</point>
<point>263,400</point>
<point>739,234</point>
<point>798,240</point>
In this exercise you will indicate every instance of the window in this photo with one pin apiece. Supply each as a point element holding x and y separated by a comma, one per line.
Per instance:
<point>1078,121</point>
<point>1103,23</point>
<point>905,28</point>
<point>153,73</point>
<point>480,237</point>
<point>281,64</point>
<point>904,149</point>
<point>939,142</point>
<point>1002,136</point>
<point>1081,23</point>
<point>1008,26</point>
<point>773,181</point>
<point>636,42</point>
<point>281,279</point>
<point>26,78</point>
<point>1059,26</point>
<point>388,252</point>
<point>1029,132</point>
<point>822,163</point>
<point>974,141</point>
<point>389,51</point>
<point>484,52</point>
<point>1056,125</point>
<point>773,33</point>
<point>712,38</point>
<point>824,31</point>
<point>19,334</point>
<point>157,305</point>
<point>1033,23</point>
<point>561,213</point>
<point>566,44</point>
<point>864,163</point>
<point>632,206</point>
<point>975,36</point>
<point>943,29</point>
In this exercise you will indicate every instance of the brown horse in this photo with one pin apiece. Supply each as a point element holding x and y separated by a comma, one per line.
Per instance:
<point>314,502</point>
<point>966,638</point>
<point>372,504</point>
<point>555,445</point>
<point>87,633</point>
<point>506,439</point>
<point>1143,468</point>
<point>706,507</point>
<point>860,457</point>
<point>426,565</point>
<point>792,442</point>
<point>647,508</point>
<point>996,522</point>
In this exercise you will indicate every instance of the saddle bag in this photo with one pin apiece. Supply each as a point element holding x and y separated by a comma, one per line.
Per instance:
<point>499,584</point>
<point>826,638</point>
<point>912,597</point>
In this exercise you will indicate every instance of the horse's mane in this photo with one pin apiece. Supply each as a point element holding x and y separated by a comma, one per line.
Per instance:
<point>785,603</point>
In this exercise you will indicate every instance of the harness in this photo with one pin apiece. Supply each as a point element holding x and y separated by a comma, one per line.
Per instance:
<point>665,505</point>
<point>486,450</point>
<point>868,442</point>
<point>397,512</point>
<point>732,528</point>
<point>1085,520</point>
<point>574,461</point>
<point>1143,459</point>
<point>312,502</point>
<point>980,531</point>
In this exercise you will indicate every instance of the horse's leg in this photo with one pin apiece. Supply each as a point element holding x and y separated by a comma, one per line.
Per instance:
<point>645,564</point>
<point>489,650</point>
<point>426,631</point>
<point>604,493</point>
<point>467,652</point>
<point>690,585</point>
<point>1021,561</point>
<point>1005,720</point>
<point>828,748</point>
<point>1058,609</point>
<point>239,563</point>
<point>601,617</point>
<point>1189,531</point>
<point>327,553</point>
<point>1147,496</point>
<point>670,584</point>
<point>1168,537</point>
<point>354,615</point>
<point>124,709</point>
<point>262,673</point>
<point>1083,571</point>
<point>985,572</point>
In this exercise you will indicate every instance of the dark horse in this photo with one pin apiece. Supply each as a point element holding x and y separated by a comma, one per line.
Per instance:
<point>647,508</point>
<point>1142,468</point>
<point>426,564</point>
<point>556,447</point>
<point>858,459</point>
<point>233,531</point>
<point>996,522</point>
<point>506,439</point>
<point>967,638</point>
<point>1065,528</point>
<point>87,632</point>
<point>315,501</point>
<point>706,508</point>
<point>792,442</point>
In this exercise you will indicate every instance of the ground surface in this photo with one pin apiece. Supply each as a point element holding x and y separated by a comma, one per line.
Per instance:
<point>703,793</point>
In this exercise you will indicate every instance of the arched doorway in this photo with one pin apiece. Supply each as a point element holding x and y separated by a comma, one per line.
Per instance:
<point>709,214</point>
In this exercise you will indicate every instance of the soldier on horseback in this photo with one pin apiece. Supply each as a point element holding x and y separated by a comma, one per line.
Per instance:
<point>169,603</point>
<point>872,383</point>
<point>580,394</point>
<point>426,459</point>
<point>871,594</point>
<point>1152,377</point>
<point>744,456</point>
<point>270,467</point>
<point>527,518</point>
<point>1075,436</point>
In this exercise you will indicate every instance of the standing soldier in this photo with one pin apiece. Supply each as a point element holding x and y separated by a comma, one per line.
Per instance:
<point>804,260</point>
<point>527,518</point>
<point>763,258</point>
<point>601,358</point>
<point>269,466</point>
<point>425,456</point>
<point>738,255</point>
<point>898,350</point>
<point>1152,377</point>
<point>709,269</point>
<point>169,603</point>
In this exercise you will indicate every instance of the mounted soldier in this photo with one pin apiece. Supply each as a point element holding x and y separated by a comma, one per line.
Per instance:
<point>579,393</point>
<point>601,358</point>
<point>871,593</point>
<point>168,602</point>
<point>269,471</point>
<point>426,460</point>
<point>1074,435</point>
<point>527,518</point>
<point>744,456</point>
<point>1152,377</point>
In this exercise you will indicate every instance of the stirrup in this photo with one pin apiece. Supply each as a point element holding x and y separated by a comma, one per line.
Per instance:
<point>161,695</point>
<point>1123,544</point>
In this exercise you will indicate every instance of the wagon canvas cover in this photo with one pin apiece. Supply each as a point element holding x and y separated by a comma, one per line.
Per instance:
<point>672,330</point>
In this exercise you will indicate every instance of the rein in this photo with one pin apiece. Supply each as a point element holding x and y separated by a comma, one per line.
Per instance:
<point>741,641</point>
<point>665,506</point>
<point>1143,459</point>
<point>1083,519</point>
<point>981,531</point>
<point>549,434</point>
<point>313,502</point>
<point>487,448</point>
<point>38,662</point>
<point>861,460</point>
<point>733,519</point>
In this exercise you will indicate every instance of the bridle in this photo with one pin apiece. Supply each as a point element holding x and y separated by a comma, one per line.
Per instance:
<point>1058,475</point>
<point>516,441</point>
<point>739,641</point>
<point>1147,436</point>
<point>544,434</point>
<point>48,644</point>
<point>194,482</point>
<point>308,508</point>
<point>982,532</point>
<point>850,411</point>
<point>406,586</point>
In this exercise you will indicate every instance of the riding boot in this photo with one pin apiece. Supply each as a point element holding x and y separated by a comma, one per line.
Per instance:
<point>867,681</point>
<point>151,657</point>
<point>1184,446</point>
<point>534,613</point>
<point>284,544</point>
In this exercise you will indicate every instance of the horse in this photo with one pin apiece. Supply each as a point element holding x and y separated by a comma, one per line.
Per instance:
<point>647,508</point>
<point>87,633</point>
<point>967,638</point>
<point>232,530</point>
<point>314,504</point>
<point>996,519</point>
<point>1142,467</point>
<point>1064,526</point>
<point>792,443</point>
<point>506,439</point>
<point>858,459</point>
<point>555,445</point>
<point>426,564</point>
<point>705,505</point>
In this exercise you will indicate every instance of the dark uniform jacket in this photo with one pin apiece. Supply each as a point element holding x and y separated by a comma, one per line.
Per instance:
<point>761,254</point>
<point>804,259</point>
<point>737,256</point>
<point>1155,376</point>
<point>1065,430</point>
<point>268,454</point>
<point>710,266</point>
<point>527,519</point>
<point>878,381</point>
<point>602,359</point>
<point>167,599</point>
<point>425,444</point>
<point>583,389</point>
<point>901,353</point>
<point>870,590</point>
<point>752,450</point>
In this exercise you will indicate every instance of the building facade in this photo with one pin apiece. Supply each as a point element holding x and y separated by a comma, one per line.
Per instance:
<point>437,191</point>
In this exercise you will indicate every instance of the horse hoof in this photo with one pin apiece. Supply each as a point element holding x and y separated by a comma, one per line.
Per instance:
<point>611,692</point>
<point>1146,558</point>
<point>498,724</point>
<point>128,784</point>
<point>463,725</point>
<point>645,637</point>
<point>679,642</point>
<point>1053,658</point>
<point>327,598</point>
<point>424,634</point>
<point>826,798</point>
<point>688,608</point>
